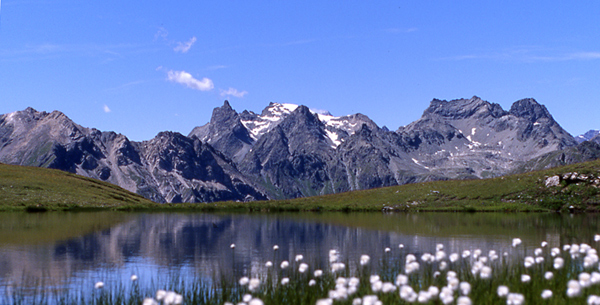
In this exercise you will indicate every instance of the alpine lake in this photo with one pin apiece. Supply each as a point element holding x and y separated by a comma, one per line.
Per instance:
<point>298,258</point>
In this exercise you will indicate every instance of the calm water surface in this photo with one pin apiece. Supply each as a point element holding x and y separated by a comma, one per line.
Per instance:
<point>59,251</point>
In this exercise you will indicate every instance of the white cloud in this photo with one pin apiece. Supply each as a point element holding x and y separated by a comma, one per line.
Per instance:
<point>233,92</point>
<point>188,80</point>
<point>183,47</point>
<point>106,109</point>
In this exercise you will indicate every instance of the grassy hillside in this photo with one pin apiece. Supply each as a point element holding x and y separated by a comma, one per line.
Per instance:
<point>522,192</point>
<point>22,187</point>
<point>34,188</point>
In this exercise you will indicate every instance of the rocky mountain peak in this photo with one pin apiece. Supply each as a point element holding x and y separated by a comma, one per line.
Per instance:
<point>223,114</point>
<point>530,109</point>
<point>463,108</point>
<point>587,136</point>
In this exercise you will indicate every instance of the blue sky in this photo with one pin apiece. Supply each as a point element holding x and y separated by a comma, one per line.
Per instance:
<point>139,69</point>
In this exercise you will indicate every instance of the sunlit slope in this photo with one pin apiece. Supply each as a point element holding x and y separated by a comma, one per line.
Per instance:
<point>34,187</point>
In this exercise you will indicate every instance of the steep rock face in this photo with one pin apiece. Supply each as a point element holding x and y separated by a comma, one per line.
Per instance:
<point>169,168</point>
<point>291,160</point>
<point>226,133</point>
<point>472,138</point>
<point>585,151</point>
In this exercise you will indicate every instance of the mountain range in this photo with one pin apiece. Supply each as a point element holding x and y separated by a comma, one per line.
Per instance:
<point>289,151</point>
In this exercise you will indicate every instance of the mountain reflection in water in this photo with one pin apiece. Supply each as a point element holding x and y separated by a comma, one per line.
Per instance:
<point>198,245</point>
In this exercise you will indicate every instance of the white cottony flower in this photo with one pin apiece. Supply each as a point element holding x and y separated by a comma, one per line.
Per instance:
<point>275,247</point>
<point>256,302</point>
<point>453,283</point>
<point>463,301</point>
<point>312,282</point>
<point>558,262</point>
<point>566,247</point>
<point>538,251</point>
<point>548,275</point>
<point>433,292</point>
<point>410,268</point>
<point>401,246</point>
<point>388,287</point>
<point>423,296</point>
<point>318,273</point>
<point>244,281</point>
<point>516,242</point>
<point>285,281</point>
<point>465,288</point>
<point>134,278</point>
<point>254,284</point>
<point>485,273</point>
<point>573,288</point>
<point>446,296</point>
<point>529,261</point>
<point>335,267</point>
<point>247,297</point>
<point>427,257</point>
<point>302,268</point>
<point>515,299</point>
<point>284,264</point>
<point>299,257</point>
<point>502,291</point>
<point>269,264</point>
<point>544,244</point>
<point>364,259</point>
<point>406,292</point>
<point>595,279</point>
<point>439,247</point>
<point>554,252</point>
<point>324,302</point>
<point>149,301</point>
<point>410,258</point>
<point>525,278</point>
<point>585,279</point>
<point>450,274</point>
<point>387,250</point>
<point>453,257</point>
<point>466,254</point>
<point>376,286</point>
<point>232,246</point>
<point>546,294</point>
<point>593,300</point>
<point>597,237</point>
<point>539,259</point>
<point>99,285</point>
<point>401,280</point>
<point>443,265</point>
<point>160,294</point>
<point>374,278</point>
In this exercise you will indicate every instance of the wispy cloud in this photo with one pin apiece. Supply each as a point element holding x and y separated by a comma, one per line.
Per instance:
<point>233,92</point>
<point>162,33</point>
<point>53,50</point>
<point>528,54</point>
<point>189,81</point>
<point>106,109</point>
<point>401,30</point>
<point>184,47</point>
<point>217,67</point>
